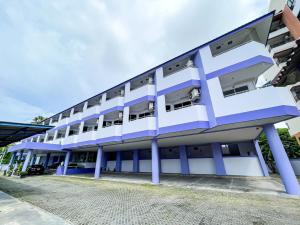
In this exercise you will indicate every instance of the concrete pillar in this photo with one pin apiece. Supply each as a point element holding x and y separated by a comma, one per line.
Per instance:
<point>184,163</point>
<point>66,163</point>
<point>12,158</point>
<point>282,161</point>
<point>260,157</point>
<point>218,159</point>
<point>136,161</point>
<point>98,162</point>
<point>47,160</point>
<point>155,162</point>
<point>119,161</point>
<point>27,160</point>
<point>32,160</point>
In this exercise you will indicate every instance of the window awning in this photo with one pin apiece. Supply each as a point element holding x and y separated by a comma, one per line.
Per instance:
<point>11,132</point>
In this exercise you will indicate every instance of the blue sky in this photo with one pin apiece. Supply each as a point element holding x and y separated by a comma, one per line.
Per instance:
<point>57,53</point>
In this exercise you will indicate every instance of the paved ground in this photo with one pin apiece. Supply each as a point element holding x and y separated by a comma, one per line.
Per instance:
<point>261,185</point>
<point>14,212</point>
<point>86,201</point>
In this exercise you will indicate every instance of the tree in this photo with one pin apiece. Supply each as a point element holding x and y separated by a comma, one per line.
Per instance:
<point>290,145</point>
<point>38,119</point>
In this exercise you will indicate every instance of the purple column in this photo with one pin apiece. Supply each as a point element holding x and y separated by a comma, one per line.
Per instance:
<point>47,160</point>
<point>27,160</point>
<point>155,162</point>
<point>218,159</point>
<point>136,161</point>
<point>66,163</point>
<point>98,162</point>
<point>260,157</point>
<point>282,161</point>
<point>185,170</point>
<point>119,161</point>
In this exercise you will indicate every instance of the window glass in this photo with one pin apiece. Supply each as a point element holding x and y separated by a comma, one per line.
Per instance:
<point>241,89</point>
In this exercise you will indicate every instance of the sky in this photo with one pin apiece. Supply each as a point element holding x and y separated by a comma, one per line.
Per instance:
<point>57,53</point>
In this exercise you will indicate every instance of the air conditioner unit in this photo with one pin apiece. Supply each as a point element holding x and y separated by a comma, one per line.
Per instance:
<point>195,94</point>
<point>149,80</point>
<point>151,106</point>
<point>189,63</point>
<point>122,92</point>
<point>120,115</point>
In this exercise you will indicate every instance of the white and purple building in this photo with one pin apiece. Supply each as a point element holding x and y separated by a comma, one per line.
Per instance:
<point>198,113</point>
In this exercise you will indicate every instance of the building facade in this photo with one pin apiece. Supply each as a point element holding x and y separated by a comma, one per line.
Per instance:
<point>284,46</point>
<point>199,113</point>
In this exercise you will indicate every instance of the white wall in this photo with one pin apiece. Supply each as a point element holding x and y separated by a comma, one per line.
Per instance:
<point>294,125</point>
<point>127,166</point>
<point>242,166</point>
<point>145,166</point>
<point>180,116</point>
<point>111,165</point>
<point>296,166</point>
<point>170,166</point>
<point>179,77</point>
<point>140,92</point>
<point>231,57</point>
<point>202,166</point>
<point>260,99</point>
<point>148,123</point>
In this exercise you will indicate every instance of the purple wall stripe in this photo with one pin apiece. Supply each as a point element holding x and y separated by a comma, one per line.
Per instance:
<point>259,114</point>
<point>240,65</point>
<point>93,116</point>
<point>189,83</point>
<point>184,126</point>
<point>145,133</point>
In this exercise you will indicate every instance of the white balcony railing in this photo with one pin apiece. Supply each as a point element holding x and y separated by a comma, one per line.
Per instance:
<point>86,136</point>
<point>117,101</point>
<point>107,132</point>
<point>189,73</point>
<point>193,113</point>
<point>257,99</point>
<point>148,89</point>
<point>90,111</point>
<point>229,58</point>
<point>148,123</point>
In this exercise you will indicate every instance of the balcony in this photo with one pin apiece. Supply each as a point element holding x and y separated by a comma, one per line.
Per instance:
<point>70,139</point>
<point>142,91</point>
<point>139,125</point>
<point>74,117</point>
<point>111,103</point>
<point>257,99</point>
<point>278,32</point>
<point>191,114</point>
<point>179,77</point>
<point>109,133</point>
<point>90,111</point>
<point>283,47</point>
<point>86,136</point>
<point>238,54</point>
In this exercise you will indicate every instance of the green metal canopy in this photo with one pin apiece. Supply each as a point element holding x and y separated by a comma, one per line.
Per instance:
<point>11,132</point>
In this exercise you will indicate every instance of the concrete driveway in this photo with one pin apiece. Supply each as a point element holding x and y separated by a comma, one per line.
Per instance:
<point>86,201</point>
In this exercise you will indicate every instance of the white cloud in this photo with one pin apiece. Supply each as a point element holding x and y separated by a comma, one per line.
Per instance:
<point>57,53</point>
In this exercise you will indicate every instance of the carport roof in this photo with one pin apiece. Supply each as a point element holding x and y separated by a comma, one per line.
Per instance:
<point>11,132</point>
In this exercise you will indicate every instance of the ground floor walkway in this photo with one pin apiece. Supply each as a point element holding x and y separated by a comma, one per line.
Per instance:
<point>261,185</point>
<point>89,201</point>
<point>15,212</point>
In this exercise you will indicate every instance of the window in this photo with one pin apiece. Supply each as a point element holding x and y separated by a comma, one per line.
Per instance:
<point>132,117</point>
<point>182,105</point>
<point>230,150</point>
<point>235,91</point>
<point>242,89</point>
<point>107,123</point>
<point>168,108</point>
<point>85,129</point>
